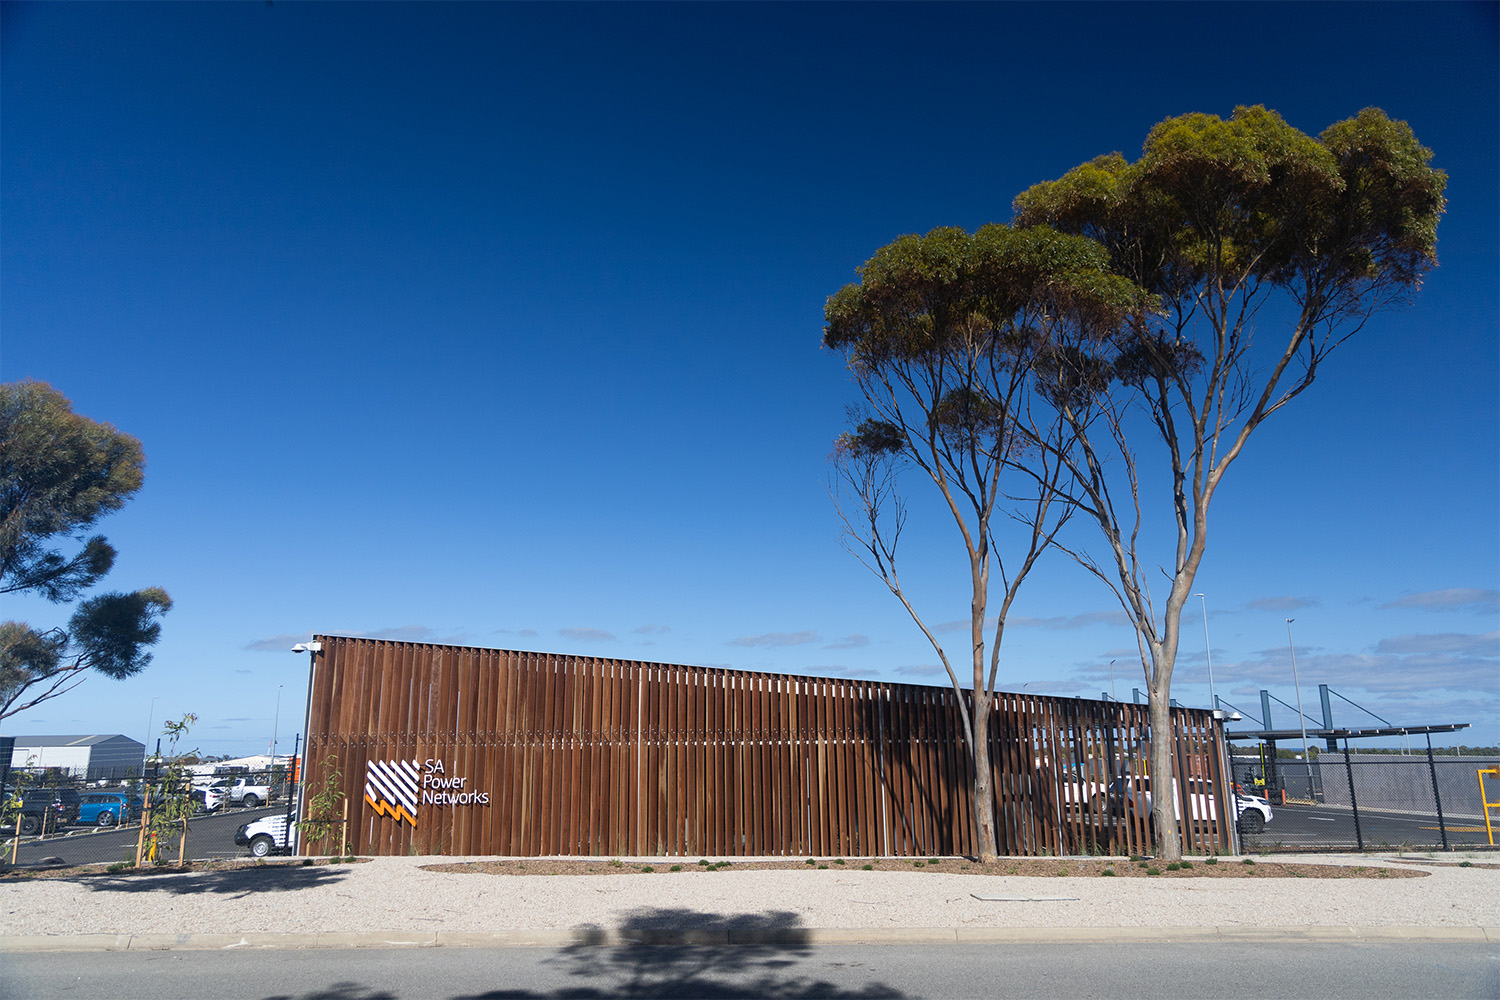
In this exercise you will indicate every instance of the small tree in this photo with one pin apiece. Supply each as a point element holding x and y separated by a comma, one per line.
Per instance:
<point>323,802</point>
<point>59,473</point>
<point>172,792</point>
<point>1222,222</point>
<point>942,336</point>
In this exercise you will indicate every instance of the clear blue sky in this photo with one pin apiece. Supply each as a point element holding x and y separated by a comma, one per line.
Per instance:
<point>499,324</point>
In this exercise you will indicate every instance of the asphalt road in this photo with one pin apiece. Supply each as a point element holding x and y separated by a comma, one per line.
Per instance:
<point>1298,827</point>
<point>1266,971</point>
<point>208,837</point>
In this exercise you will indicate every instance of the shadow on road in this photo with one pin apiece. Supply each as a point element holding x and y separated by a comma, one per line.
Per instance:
<point>643,969</point>
<point>232,882</point>
<point>647,969</point>
<point>339,991</point>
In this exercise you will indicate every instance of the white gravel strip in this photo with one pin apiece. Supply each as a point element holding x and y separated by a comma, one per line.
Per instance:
<point>395,895</point>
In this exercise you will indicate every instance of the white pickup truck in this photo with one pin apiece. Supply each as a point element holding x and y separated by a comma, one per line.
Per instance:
<point>1134,792</point>
<point>247,792</point>
<point>267,835</point>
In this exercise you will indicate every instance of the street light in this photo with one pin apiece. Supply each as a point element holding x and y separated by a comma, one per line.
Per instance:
<point>1301,719</point>
<point>150,718</point>
<point>274,720</point>
<point>1212,695</point>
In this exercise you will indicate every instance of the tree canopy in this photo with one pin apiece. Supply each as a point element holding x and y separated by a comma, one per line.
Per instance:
<point>60,472</point>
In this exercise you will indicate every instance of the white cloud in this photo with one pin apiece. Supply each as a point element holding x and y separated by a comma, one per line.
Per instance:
<point>278,643</point>
<point>652,630</point>
<point>776,639</point>
<point>1455,599</point>
<point>586,634</point>
<point>850,642</point>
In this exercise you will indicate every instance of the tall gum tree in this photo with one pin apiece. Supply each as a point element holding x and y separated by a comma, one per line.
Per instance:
<point>59,473</point>
<point>1222,222</point>
<point>941,335</point>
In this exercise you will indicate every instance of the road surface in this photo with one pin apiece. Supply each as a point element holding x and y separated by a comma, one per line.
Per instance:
<point>1264,970</point>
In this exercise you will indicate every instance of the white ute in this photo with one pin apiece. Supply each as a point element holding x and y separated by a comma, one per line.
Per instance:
<point>267,835</point>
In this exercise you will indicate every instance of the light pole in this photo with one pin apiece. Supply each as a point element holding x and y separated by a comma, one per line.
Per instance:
<point>150,718</point>
<point>1212,694</point>
<point>1301,719</point>
<point>1112,693</point>
<point>276,718</point>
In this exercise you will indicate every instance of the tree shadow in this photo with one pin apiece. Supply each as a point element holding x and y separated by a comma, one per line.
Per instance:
<point>235,882</point>
<point>657,964</point>
<point>339,991</point>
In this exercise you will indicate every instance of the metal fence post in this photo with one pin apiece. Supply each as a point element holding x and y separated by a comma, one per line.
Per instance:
<point>1359,837</point>
<point>1437,798</point>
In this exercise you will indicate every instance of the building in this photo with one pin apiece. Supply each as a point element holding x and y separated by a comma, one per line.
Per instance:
<point>90,757</point>
<point>438,749</point>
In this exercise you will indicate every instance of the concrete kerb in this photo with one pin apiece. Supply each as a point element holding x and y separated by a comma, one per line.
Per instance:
<point>781,937</point>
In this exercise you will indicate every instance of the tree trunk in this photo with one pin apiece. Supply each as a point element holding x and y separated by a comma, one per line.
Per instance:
<point>1163,813</point>
<point>984,799</point>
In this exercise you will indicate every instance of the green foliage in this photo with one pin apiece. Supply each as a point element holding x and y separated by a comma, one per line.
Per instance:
<point>323,818</point>
<point>59,473</point>
<point>172,790</point>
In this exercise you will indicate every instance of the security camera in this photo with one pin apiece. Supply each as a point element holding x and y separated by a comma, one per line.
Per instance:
<point>1235,717</point>
<point>299,648</point>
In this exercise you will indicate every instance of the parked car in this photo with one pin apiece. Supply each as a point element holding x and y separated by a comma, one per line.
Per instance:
<point>247,792</point>
<point>42,808</point>
<point>267,835</point>
<point>106,808</point>
<point>1133,792</point>
<point>210,799</point>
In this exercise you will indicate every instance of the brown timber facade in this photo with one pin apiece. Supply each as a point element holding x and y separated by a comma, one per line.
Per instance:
<point>460,750</point>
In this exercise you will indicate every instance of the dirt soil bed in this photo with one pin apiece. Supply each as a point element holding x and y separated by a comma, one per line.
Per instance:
<point>1021,867</point>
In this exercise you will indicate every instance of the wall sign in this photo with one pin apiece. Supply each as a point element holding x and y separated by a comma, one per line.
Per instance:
<point>396,788</point>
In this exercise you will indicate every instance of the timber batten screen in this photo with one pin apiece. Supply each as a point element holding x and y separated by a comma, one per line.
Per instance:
<point>461,750</point>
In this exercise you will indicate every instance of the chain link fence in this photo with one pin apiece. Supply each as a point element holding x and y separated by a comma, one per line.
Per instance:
<point>1366,802</point>
<point>53,818</point>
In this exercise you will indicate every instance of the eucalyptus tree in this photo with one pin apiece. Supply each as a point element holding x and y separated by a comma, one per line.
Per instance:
<point>941,335</point>
<point>1262,249</point>
<point>60,472</point>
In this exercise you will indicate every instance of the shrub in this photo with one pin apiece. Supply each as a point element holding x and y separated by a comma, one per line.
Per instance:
<point>869,868</point>
<point>1211,861</point>
<point>1107,873</point>
<point>1249,861</point>
<point>1153,871</point>
<point>647,869</point>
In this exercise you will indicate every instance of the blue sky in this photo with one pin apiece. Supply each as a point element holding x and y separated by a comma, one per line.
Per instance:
<point>500,325</point>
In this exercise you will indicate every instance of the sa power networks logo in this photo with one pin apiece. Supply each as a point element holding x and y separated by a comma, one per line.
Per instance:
<point>391,788</point>
<point>395,788</point>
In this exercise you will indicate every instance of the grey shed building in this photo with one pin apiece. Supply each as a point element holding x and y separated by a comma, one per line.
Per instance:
<point>89,757</point>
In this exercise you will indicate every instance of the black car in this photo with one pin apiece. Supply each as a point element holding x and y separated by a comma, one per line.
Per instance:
<point>44,807</point>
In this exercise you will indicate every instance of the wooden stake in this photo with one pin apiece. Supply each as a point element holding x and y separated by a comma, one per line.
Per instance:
<point>344,838</point>
<point>140,843</point>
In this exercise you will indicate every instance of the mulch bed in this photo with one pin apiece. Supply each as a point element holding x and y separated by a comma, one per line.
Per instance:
<point>1023,867</point>
<point>148,871</point>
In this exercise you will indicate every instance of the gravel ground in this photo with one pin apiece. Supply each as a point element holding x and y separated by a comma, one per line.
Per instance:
<point>398,895</point>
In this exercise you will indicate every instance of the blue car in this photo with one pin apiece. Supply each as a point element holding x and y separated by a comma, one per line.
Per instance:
<point>104,809</point>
